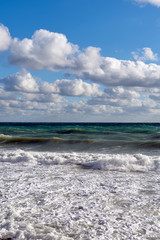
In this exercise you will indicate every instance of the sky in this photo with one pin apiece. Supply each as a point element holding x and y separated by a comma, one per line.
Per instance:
<point>80,61</point>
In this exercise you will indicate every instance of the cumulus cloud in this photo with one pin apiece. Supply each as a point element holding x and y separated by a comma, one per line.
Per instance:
<point>146,54</point>
<point>52,51</point>
<point>21,93</point>
<point>42,98</point>
<point>68,87</point>
<point>5,38</point>
<point>117,97</point>
<point>24,82</point>
<point>114,72</point>
<point>90,65</point>
<point>120,92</point>
<point>21,81</point>
<point>45,50</point>
<point>6,95</point>
<point>26,106</point>
<point>153,2</point>
<point>127,83</point>
<point>116,100</point>
<point>83,107</point>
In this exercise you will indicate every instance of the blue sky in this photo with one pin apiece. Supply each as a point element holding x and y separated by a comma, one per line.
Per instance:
<point>117,27</point>
<point>79,60</point>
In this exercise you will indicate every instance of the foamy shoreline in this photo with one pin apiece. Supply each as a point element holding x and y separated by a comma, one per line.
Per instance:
<point>67,202</point>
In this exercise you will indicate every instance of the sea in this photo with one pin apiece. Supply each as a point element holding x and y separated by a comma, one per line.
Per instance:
<point>80,181</point>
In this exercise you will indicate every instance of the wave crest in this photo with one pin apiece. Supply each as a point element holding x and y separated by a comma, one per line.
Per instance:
<point>94,161</point>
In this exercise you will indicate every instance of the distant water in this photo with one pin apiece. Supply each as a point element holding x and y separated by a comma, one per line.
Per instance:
<point>76,181</point>
<point>93,137</point>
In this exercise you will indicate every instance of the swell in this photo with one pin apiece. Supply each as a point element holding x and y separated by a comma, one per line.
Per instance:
<point>94,137</point>
<point>80,144</point>
<point>20,140</point>
<point>4,139</point>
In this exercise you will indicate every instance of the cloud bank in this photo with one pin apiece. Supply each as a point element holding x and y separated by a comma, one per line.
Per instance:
<point>99,86</point>
<point>21,93</point>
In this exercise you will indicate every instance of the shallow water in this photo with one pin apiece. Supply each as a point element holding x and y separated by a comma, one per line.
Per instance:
<point>66,202</point>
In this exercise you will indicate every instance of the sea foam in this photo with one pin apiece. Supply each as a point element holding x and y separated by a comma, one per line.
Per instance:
<point>95,161</point>
<point>52,196</point>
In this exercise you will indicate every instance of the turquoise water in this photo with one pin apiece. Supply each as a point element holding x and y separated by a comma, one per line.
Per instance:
<point>93,137</point>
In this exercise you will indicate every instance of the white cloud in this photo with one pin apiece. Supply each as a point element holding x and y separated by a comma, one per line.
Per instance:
<point>6,95</point>
<point>24,82</point>
<point>16,98</point>
<point>153,2</point>
<point>118,97</point>
<point>68,87</point>
<point>120,92</point>
<point>52,51</point>
<point>84,107</point>
<point>146,54</point>
<point>128,83</point>
<point>26,106</point>
<point>113,72</point>
<point>40,97</point>
<point>5,38</point>
<point>45,50</point>
<point>21,81</point>
<point>117,102</point>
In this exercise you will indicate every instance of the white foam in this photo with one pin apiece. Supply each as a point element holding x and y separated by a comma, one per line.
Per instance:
<point>4,135</point>
<point>107,162</point>
<point>41,200</point>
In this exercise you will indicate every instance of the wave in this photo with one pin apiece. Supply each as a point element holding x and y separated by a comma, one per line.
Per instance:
<point>104,162</point>
<point>93,131</point>
<point>97,138</point>
<point>7,139</point>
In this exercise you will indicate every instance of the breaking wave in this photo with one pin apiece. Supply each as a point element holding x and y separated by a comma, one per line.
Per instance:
<point>104,162</point>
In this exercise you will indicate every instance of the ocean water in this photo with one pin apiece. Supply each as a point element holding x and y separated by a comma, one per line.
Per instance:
<point>80,181</point>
